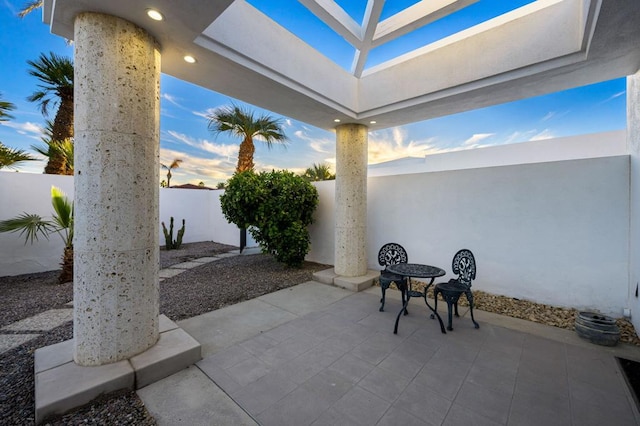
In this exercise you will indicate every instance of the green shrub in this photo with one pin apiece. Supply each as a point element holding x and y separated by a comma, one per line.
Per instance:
<point>276,207</point>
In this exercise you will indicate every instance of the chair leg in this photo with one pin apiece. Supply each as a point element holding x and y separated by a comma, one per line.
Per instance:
<point>470,299</point>
<point>435,301</point>
<point>403,294</point>
<point>450,318</point>
<point>456,307</point>
<point>384,290</point>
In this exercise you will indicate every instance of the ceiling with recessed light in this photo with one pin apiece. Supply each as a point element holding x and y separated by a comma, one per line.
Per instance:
<point>381,63</point>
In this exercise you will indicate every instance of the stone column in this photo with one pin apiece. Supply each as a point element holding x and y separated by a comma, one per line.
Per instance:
<point>117,109</point>
<point>351,200</point>
<point>633,143</point>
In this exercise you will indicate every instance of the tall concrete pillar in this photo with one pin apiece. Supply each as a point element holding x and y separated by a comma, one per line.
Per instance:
<point>117,105</point>
<point>633,143</point>
<point>351,200</point>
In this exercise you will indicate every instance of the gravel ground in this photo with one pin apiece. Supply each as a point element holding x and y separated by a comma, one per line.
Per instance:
<point>535,312</point>
<point>194,292</point>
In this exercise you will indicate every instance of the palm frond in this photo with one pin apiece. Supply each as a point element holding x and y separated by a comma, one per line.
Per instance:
<point>56,77</point>
<point>174,165</point>
<point>5,107</point>
<point>63,208</point>
<point>29,225</point>
<point>30,7</point>
<point>10,157</point>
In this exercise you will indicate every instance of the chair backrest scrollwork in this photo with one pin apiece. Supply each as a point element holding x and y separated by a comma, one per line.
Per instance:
<point>464,264</point>
<point>392,254</point>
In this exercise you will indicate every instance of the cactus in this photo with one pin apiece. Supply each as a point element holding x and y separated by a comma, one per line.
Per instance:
<point>178,241</point>
<point>170,243</point>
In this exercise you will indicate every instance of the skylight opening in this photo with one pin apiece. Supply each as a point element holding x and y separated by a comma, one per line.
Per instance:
<point>355,9</point>
<point>464,19</point>
<point>297,19</point>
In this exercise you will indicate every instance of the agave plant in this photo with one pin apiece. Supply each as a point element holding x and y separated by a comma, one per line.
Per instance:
<point>32,226</point>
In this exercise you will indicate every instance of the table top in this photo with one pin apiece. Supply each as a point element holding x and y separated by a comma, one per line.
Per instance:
<point>417,270</point>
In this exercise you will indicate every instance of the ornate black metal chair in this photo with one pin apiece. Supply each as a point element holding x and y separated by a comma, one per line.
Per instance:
<point>464,264</point>
<point>392,254</point>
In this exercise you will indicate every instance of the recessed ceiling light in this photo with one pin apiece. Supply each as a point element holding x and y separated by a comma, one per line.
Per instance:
<point>155,15</point>
<point>372,122</point>
<point>337,120</point>
<point>190,59</point>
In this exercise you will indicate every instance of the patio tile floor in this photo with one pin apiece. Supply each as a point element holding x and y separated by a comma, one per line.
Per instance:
<point>342,365</point>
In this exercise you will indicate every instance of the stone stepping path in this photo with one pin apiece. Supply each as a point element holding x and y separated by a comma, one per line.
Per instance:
<point>20,332</point>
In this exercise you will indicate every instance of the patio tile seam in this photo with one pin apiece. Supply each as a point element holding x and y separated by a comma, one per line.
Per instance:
<point>226,393</point>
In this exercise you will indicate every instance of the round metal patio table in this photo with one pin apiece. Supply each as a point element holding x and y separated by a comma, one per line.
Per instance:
<point>417,270</point>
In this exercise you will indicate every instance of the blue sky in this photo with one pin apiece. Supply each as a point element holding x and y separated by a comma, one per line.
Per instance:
<point>212,159</point>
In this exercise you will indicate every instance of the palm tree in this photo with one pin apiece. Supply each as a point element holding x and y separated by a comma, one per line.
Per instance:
<point>318,172</point>
<point>56,77</point>
<point>174,165</point>
<point>30,7</point>
<point>243,124</point>
<point>5,107</point>
<point>10,157</point>
<point>59,153</point>
<point>61,223</point>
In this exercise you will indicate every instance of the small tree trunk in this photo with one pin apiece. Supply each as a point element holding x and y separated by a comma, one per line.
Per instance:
<point>245,155</point>
<point>66,274</point>
<point>56,165</point>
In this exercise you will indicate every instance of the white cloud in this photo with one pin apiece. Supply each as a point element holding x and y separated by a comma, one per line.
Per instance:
<point>11,7</point>
<point>615,95</point>
<point>172,99</point>
<point>206,113</point>
<point>548,116</point>
<point>555,115</point>
<point>194,169</point>
<point>526,136</point>
<point>321,145</point>
<point>223,150</point>
<point>545,134</point>
<point>29,129</point>
<point>474,140</point>
<point>391,144</point>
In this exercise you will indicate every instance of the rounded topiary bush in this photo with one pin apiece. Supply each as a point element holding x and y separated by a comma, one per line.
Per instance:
<point>276,207</point>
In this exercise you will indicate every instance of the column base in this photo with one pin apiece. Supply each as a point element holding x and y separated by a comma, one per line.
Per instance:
<point>355,284</point>
<point>62,385</point>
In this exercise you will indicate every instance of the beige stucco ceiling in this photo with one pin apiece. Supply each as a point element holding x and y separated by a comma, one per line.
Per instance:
<point>543,47</point>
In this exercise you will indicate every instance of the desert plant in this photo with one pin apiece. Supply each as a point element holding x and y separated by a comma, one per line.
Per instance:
<point>170,243</point>
<point>276,207</point>
<point>61,223</point>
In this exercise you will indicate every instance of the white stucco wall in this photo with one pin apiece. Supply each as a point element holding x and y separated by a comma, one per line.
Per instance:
<point>555,232</point>
<point>26,192</point>
<point>29,193</point>
<point>203,215</point>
